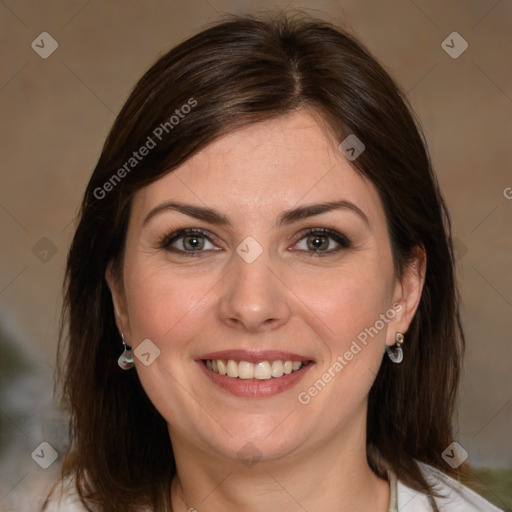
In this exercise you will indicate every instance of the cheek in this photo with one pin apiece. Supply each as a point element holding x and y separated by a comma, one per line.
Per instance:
<point>349,300</point>
<point>163,306</point>
<point>170,312</point>
<point>351,308</point>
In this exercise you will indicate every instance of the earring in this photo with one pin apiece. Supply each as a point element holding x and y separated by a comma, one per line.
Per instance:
<point>395,353</point>
<point>125,360</point>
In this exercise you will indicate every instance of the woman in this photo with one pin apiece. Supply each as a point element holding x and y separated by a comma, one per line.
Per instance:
<point>260,292</point>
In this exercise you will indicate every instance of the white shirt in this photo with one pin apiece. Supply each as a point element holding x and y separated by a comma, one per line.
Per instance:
<point>458,498</point>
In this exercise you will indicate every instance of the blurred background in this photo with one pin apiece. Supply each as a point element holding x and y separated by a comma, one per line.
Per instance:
<point>66,69</point>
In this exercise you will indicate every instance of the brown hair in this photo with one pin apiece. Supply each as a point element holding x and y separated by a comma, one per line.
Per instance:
<point>237,72</point>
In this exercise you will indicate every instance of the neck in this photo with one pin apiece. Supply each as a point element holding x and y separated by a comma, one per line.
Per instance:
<point>332,477</point>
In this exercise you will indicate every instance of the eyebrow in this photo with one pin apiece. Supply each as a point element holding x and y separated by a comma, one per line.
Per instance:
<point>288,217</point>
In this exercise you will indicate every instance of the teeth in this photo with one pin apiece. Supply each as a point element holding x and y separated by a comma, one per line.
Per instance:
<point>263,370</point>
<point>223,369</point>
<point>277,369</point>
<point>232,369</point>
<point>245,370</point>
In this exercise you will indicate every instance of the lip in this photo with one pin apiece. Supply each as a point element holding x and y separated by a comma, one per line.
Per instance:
<point>255,356</point>
<point>254,388</point>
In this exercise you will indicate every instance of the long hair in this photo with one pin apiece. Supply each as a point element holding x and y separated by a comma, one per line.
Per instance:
<point>237,72</point>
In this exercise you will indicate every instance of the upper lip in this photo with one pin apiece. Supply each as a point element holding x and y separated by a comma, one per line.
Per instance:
<point>254,356</point>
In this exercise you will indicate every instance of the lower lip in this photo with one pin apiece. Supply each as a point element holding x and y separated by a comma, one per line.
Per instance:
<point>255,388</point>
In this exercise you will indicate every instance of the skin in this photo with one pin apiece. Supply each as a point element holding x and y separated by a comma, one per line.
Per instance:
<point>313,456</point>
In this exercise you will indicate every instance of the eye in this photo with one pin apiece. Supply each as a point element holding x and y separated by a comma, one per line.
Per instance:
<point>188,240</point>
<point>322,241</point>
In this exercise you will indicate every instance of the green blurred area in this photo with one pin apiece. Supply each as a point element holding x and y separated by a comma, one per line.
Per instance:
<point>13,364</point>
<point>495,485</point>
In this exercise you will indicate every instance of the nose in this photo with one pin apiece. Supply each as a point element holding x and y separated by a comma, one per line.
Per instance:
<point>253,297</point>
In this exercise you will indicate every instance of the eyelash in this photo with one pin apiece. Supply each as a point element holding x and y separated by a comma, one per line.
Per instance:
<point>342,240</point>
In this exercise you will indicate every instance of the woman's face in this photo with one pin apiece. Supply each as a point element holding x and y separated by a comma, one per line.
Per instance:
<point>269,283</point>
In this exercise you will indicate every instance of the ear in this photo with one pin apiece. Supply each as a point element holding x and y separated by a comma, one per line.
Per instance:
<point>407,294</point>
<point>119,300</point>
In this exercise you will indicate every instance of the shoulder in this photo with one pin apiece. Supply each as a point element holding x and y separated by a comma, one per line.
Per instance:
<point>69,504</point>
<point>456,497</point>
<point>64,498</point>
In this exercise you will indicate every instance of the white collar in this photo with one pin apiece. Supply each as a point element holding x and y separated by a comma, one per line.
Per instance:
<point>456,497</point>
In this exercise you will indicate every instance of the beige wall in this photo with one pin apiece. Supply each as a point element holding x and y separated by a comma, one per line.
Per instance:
<point>57,111</point>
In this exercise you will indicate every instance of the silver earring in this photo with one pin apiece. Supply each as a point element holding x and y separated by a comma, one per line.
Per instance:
<point>395,352</point>
<point>125,360</point>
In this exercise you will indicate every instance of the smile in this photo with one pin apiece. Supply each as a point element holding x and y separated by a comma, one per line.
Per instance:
<point>254,374</point>
<point>262,370</point>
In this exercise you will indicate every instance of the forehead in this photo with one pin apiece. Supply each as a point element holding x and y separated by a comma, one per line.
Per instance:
<point>267,167</point>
